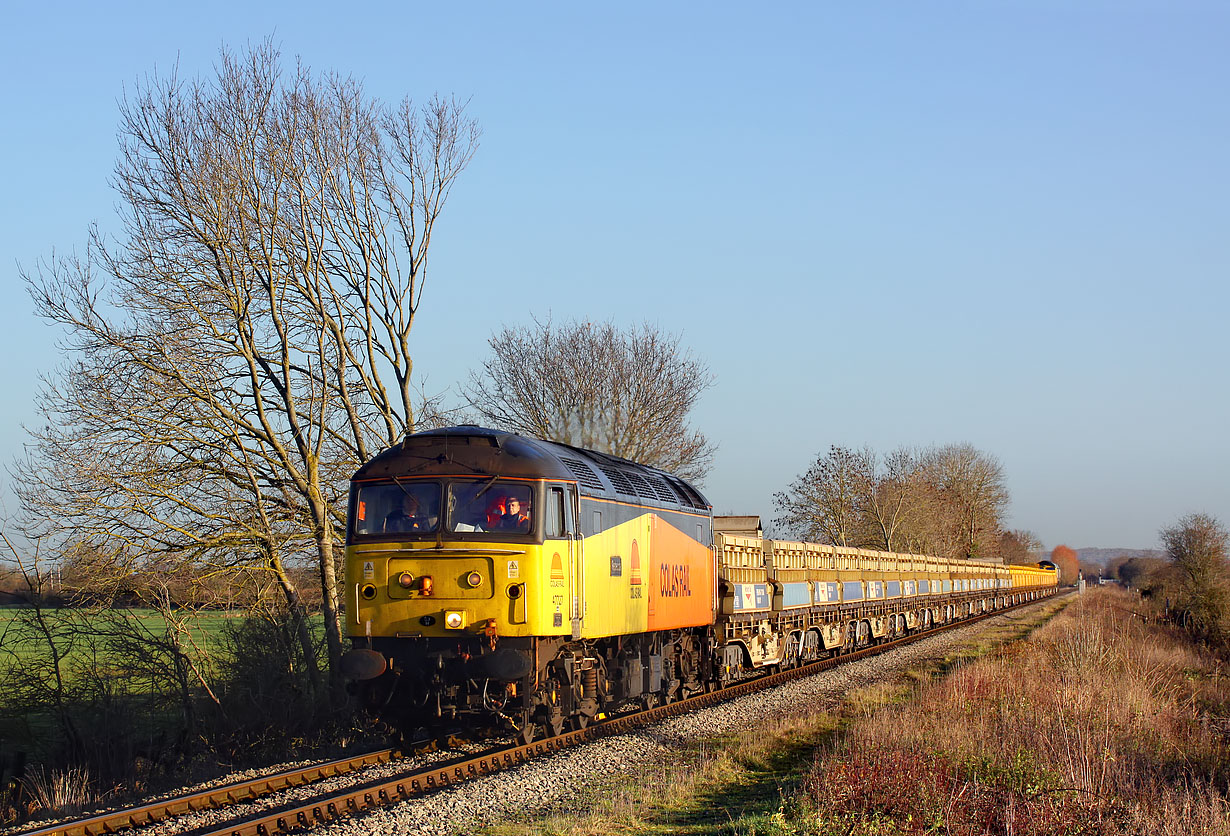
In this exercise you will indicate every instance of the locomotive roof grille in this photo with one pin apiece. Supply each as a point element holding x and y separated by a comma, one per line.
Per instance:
<point>619,480</point>
<point>642,487</point>
<point>660,487</point>
<point>454,451</point>
<point>584,473</point>
<point>686,494</point>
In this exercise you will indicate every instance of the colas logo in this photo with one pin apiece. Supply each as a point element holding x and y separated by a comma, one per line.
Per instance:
<point>557,570</point>
<point>675,581</point>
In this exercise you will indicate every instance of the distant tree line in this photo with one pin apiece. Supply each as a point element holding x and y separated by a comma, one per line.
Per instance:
<point>1192,582</point>
<point>947,501</point>
<point>82,577</point>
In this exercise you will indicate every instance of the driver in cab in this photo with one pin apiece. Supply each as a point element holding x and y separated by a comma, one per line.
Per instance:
<point>408,517</point>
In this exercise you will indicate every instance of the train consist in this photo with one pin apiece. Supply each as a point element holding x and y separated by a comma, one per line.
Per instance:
<point>503,584</point>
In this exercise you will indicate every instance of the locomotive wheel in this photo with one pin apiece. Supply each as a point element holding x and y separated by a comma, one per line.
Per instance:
<point>545,723</point>
<point>553,722</point>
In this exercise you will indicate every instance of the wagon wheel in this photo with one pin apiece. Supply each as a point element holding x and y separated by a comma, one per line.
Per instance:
<point>790,658</point>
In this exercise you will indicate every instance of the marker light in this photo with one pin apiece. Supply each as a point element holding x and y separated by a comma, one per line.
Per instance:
<point>425,585</point>
<point>405,580</point>
<point>454,620</point>
<point>474,580</point>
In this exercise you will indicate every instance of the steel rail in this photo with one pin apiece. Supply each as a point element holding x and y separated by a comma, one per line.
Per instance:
<point>211,798</point>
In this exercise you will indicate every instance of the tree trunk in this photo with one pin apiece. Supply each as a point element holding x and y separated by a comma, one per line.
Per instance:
<point>328,580</point>
<point>298,618</point>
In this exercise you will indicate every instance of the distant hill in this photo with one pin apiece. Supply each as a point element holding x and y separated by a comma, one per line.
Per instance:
<point>1102,556</point>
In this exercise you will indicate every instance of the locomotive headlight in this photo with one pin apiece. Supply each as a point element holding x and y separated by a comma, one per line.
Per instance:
<point>454,619</point>
<point>474,580</point>
<point>405,580</point>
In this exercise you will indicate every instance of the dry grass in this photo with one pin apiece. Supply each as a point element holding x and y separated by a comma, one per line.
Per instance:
<point>1097,724</point>
<point>61,791</point>
<point>728,785</point>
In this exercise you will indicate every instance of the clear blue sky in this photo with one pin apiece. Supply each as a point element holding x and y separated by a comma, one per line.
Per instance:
<point>880,223</point>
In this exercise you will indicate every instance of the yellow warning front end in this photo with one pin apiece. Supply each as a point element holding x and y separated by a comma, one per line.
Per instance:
<point>426,589</point>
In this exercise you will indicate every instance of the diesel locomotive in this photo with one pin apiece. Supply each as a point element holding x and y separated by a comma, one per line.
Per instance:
<point>503,584</point>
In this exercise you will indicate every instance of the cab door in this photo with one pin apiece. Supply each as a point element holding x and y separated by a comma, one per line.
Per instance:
<point>576,558</point>
<point>562,515</point>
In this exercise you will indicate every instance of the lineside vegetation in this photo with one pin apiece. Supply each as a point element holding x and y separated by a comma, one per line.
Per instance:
<point>1100,723</point>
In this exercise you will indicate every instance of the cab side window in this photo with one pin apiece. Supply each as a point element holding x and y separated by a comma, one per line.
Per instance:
<point>555,521</point>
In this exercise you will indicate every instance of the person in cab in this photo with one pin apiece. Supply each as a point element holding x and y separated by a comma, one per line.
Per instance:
<point>409,517</point>
<point>516,516</point>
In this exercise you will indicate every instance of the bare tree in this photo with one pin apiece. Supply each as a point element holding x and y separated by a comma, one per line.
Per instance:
<point>945,501</point>
<point>628,393</point>
<point>1139,572</point>
<point>970,486</point>
<point>893,499</point>
<point>1019,547</point>
<point>245,345</point>
<point>1196,546</point>
<point>826,503</point>
<point>1068,562</point>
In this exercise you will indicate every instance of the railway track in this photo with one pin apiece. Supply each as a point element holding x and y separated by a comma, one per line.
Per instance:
<point>418,781</point>
<point>212,798</point>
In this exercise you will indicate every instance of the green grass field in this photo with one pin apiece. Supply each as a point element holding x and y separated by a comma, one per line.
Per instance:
<point>116,656</point>
<point>84,633</point>
<point>16,633</point>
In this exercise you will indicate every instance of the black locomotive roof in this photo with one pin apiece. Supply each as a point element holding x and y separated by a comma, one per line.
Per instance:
<point>477,451</point>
